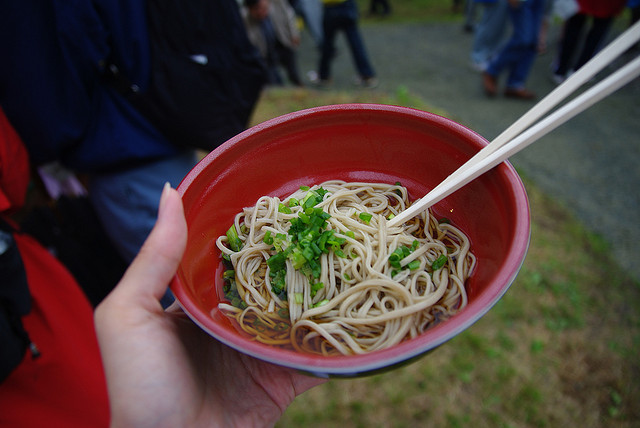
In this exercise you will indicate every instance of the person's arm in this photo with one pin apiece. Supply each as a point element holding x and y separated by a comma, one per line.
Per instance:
<point>162,369</point>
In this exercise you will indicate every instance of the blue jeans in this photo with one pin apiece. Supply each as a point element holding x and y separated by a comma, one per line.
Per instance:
<point>343,17</point>
<point>127,201</point>
<point>518,54</point>
<point>490,31</point>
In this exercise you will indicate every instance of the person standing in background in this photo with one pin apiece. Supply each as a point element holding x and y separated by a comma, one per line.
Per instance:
<point>61,86</point>
<point>272,28</point>
<point>489,32</point>
<point>342,15</point>
<point>520,51</point>
<point>601,14</point>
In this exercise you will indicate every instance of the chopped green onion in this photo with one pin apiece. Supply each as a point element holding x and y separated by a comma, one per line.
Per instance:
<point>413,265</point>
<point>397,191</point>
<point>282,208</point>
<point>299,298</point>
<point>320,303</point>
<point>305,241</point>
<point>366,217</point>
<point>232,237</point>
<point>281,326</point>
<point>399,254</point>
<point>339,253</point>
<point>315,288</point>
<point>439,262</point>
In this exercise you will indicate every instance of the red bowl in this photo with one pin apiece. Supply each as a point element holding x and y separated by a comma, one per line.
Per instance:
<point>352,142</point>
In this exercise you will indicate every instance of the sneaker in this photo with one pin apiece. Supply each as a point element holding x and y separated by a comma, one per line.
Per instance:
<point>369,82</point>
<point>558,78</point>
<point>315,80</point>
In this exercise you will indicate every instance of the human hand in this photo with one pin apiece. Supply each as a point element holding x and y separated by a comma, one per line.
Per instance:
<point>161,368</point>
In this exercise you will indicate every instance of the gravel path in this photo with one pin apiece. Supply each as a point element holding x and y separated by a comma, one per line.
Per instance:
<point>590,164</point>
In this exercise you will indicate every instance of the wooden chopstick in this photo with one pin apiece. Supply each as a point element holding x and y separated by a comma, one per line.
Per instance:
<point>517,136</point>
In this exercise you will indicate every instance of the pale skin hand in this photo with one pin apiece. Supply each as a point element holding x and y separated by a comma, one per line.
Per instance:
<point>163,370</point>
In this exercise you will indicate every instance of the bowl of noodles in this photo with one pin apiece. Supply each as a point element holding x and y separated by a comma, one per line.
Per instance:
<point>290,257</point>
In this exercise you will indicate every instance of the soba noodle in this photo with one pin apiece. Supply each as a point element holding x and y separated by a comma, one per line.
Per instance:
<point>364,287</point>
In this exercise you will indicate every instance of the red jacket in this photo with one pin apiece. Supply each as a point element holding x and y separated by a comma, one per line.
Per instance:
<point>601,8</point>
<point>64,386</point>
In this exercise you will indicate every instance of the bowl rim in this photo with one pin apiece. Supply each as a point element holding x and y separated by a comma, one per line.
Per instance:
<point>355,365</point>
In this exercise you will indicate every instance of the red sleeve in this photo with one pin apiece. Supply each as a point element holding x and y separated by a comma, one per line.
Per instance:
<point>65,385</point>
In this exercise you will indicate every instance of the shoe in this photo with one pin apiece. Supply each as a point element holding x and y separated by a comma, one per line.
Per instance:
<point>557,78</point>
<point>490,84</point>
<point>316,81</point>
<point>368,82</point>
<point>519,93</point>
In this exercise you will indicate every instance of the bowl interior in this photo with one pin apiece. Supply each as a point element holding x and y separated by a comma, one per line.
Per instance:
<point>353,143</point>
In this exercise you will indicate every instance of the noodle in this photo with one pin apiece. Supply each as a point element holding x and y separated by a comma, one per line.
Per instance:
<point>321,272</point>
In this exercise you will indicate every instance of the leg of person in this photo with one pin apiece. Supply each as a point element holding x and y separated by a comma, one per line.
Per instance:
<point>508,55</point>
<point>490,33</point>
<point>593,42</point>
<point>469,15</point>
<point>287,57</point>
<point>529,21</point>
<point>356,44</point>
<point>329,28</point>
<point>568,43</point>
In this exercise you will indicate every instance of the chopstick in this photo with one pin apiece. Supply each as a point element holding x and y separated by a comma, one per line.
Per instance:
<point>517,136</point>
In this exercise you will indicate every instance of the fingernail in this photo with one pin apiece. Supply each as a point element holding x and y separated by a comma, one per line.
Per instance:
<point>165,192</point>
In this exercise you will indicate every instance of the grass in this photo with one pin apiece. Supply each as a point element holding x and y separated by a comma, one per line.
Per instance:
<point>559,349</point>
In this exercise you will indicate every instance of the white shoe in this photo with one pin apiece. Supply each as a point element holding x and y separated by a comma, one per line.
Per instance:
<point>558,78</point>
<point>369,82</point>
<point>315,79</point>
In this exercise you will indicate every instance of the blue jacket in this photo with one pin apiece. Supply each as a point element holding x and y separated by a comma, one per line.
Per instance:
<point>51,84</point>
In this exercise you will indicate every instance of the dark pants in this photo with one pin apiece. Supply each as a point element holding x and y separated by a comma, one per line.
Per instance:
<point>519,53</point>
<point>573,31</point>
<point>343,17</point>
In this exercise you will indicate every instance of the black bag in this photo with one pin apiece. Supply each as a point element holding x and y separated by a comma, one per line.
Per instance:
<point>15,302</point>
<point>206,76</point>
